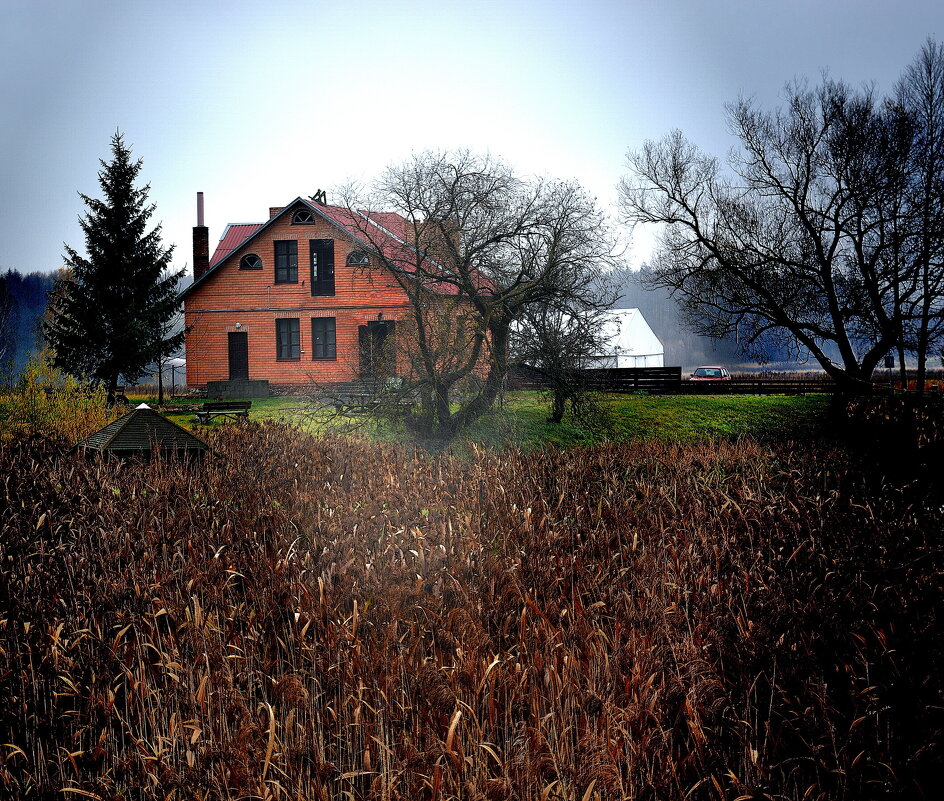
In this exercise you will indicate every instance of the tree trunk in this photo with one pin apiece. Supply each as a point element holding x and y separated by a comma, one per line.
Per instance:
<point>902,367</point>
<point>437,425</point>
<point>557,409</point>
<point>923,341</point>
<point>112,390</point>
<point>850,383</point>
<point>922,369</point>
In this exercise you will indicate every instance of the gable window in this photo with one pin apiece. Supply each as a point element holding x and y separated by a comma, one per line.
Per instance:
<point>322,266</point>
<point>287,339</point>
<point>323,339</point>
<point>357,258</point>
<point>302,217</point>
<point>286,261</point>
<point>250,261</point>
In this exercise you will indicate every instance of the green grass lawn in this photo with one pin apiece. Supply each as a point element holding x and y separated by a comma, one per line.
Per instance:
<point>521,419</point>
<point>665,417</point>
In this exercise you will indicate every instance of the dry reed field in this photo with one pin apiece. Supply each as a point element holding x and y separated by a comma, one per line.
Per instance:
<point>334,619</point>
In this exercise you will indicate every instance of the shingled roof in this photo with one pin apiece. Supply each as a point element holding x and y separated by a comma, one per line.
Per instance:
<point>139,432</point>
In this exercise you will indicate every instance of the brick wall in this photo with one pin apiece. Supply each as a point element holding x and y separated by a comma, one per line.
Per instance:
<point>253,299</point>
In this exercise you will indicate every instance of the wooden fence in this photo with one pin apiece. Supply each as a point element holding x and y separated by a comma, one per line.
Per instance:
<point>668,381</point>
<point>607,379</point>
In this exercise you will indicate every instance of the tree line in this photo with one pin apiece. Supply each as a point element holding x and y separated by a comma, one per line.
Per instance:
<point>23,300</point>
<point>682,345</point>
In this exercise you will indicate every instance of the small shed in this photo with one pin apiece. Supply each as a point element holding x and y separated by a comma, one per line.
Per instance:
<point>630,342</point>
<point>141,431</point>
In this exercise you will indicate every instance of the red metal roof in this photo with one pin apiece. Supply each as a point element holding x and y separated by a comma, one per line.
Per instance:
<point>236,233</point>
<point>233,236</point>
<point>389,232</point>
<point>390,220</point>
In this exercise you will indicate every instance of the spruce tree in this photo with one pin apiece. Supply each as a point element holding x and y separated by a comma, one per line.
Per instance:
<point>111,315</point>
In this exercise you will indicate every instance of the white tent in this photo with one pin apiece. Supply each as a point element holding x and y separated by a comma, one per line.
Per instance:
<point>630,342</point>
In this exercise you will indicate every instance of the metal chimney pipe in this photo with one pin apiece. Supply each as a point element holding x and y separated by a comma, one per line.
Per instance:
<point>201,242</point>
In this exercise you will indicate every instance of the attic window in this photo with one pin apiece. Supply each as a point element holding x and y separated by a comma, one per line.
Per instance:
<point>302,217</point>
<point>250,262</point>
<point>357,258</point>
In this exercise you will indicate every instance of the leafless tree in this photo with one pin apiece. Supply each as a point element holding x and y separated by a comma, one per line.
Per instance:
<point>167,331</point>
<point>558,339</point>
<point>481,245</point>
<point>799,244</point>
<point>920,95</point>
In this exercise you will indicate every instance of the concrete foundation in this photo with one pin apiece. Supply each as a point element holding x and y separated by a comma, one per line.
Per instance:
<point>228,390</point>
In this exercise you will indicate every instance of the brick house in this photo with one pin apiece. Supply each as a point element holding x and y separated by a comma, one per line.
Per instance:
<point>293,300</point>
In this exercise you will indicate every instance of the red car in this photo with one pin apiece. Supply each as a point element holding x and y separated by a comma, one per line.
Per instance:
<point>711,374</point>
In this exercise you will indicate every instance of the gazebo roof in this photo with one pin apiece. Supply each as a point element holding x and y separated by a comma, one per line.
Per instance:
<point>139,431</point>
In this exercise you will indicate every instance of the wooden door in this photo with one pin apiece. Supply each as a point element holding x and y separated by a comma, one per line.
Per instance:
<point>238,355</point>
<point>377,359</point>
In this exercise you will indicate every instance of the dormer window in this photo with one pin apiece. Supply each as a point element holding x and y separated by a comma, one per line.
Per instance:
<point>357,258</point>
<point>250,262</point>
<point>302,217</point>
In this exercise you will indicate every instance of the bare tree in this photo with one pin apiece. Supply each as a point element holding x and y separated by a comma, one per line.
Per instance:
<point>558,339</point>
<point>800,244</point>
<point>480,246</point>
<point>920,95</point>
<point>168,331</point>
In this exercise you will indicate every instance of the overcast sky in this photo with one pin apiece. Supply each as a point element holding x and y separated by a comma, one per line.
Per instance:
<point>256,103</point>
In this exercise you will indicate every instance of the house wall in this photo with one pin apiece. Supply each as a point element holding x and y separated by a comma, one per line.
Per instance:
<point>253,299</point>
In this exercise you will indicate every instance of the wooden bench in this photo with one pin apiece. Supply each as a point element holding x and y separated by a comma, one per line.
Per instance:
<point>231,409</point>
<point>365,403</point>
<point>355,403</point>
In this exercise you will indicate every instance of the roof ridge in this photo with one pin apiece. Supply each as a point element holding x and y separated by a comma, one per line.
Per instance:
<point>366,216</point>
<point>120,425</point>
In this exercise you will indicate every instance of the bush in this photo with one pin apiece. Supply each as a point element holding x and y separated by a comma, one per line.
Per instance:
<point>48,403</point>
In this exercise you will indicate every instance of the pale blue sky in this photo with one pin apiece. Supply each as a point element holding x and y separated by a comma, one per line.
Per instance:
<point>255,103</point>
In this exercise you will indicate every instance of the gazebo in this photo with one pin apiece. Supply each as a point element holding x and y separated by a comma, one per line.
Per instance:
<point>141,432</point>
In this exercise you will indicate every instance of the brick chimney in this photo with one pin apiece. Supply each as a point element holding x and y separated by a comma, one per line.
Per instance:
<point>201,242</point>
<point>273,210</point>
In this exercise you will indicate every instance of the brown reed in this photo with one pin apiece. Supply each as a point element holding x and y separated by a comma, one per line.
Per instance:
<point>334,619</point>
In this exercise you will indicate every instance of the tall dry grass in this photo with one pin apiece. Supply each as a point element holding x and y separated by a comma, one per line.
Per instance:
<point>47,403</point>
<point>333,619</point>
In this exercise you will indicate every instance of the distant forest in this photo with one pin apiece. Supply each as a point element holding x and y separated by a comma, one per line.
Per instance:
<point>685,348</point>
<point>23,301</point>
<point>682,346</point>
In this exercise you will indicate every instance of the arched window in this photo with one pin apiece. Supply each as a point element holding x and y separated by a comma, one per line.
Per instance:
<point>357,258</point>
<point>302,217</point>
<point>250,262</point>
